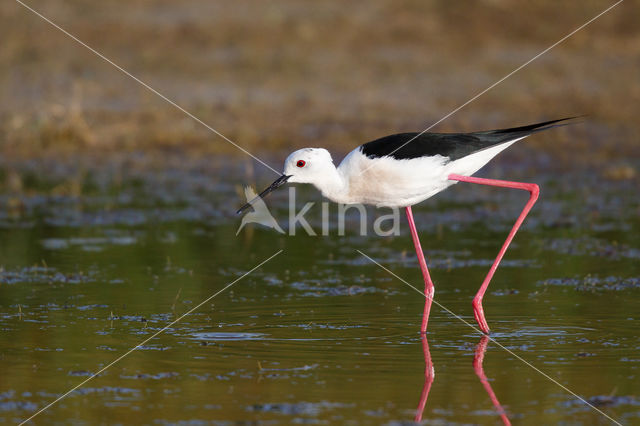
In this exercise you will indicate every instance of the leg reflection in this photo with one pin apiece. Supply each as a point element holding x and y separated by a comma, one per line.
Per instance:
<point>429,374</point>
<point>477,366</point>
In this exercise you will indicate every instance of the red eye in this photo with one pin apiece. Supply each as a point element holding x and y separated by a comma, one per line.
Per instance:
<point>300,163</point>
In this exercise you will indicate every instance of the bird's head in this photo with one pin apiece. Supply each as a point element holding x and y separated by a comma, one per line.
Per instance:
<point>307,165</point>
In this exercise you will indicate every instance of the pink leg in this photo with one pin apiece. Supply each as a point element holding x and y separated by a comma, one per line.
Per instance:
<point>428,285</point>
<point>477,366</point>
<point>429,375</point>
<point>534,191</point>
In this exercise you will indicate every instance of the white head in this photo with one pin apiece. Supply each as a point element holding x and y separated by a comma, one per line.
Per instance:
<point>307,165</point>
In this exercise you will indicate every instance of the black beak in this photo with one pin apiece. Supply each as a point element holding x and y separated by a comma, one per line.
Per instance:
<point>275,185</point>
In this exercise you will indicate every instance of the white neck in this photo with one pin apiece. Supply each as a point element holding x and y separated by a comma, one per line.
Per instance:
<point>333,185</point>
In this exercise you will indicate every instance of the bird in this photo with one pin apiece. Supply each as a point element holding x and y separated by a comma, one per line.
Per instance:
<point>404,169</point>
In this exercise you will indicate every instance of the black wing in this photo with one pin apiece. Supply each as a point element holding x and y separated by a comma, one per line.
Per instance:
<point>405,146</point>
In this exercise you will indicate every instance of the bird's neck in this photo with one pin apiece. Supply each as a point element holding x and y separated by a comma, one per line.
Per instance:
<point>333,186</point>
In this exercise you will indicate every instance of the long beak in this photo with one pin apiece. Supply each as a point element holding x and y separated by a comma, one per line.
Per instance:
<point>275,185</point>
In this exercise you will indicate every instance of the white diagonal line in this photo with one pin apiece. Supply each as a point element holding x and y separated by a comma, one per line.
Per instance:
<point>145,85</point>
<point>496,342</point>
<point>502,79</point>
<point>149,338</point>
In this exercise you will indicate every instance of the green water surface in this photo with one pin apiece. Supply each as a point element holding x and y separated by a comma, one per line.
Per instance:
<point>319,334</point>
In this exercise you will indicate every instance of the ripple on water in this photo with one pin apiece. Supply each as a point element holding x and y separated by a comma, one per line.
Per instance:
<point>228,336</point>
<point>87,244</point>
<point>299,408</point>
<point>589,246</point>
<point>43,274</point>
<point>594,283</point>
<point>108,389</point>
<point>17,406</point>
<point>437,260</point>
<point>605,401</point>
<point>541,332</point>
<point>153,348</point>
<point>158,376</point>
<point>80,373</point>
<point>315,288</point>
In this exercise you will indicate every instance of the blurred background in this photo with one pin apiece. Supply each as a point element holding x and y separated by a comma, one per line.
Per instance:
<point>117,211</point>
<point>278,75</point>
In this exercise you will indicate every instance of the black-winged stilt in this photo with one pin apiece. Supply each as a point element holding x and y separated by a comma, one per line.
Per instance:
<point>404,169</point>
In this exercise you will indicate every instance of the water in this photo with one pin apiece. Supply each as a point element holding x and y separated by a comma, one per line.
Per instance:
<point>319,334</point>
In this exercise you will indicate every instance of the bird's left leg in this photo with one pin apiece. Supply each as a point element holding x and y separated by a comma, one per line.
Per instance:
<point>534,191</point>
<point>428,284</point>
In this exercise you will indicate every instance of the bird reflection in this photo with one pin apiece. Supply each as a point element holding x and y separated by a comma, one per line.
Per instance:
<point>481,349</point>
<point>429,375</point>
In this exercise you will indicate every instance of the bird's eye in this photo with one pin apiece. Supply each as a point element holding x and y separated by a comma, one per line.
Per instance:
<point>300,163</point>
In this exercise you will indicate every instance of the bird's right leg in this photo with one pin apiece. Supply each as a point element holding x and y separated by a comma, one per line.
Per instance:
<point>428,284</point>
<point>534,191</point>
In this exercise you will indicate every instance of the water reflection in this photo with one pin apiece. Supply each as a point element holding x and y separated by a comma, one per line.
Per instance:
<point>478,359</point>
<point>429,375</point>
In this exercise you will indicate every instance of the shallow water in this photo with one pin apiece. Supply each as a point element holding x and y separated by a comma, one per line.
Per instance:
<point>319,334</point>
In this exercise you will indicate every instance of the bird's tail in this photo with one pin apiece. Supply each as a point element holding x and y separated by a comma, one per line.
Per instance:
<point>503,135</point>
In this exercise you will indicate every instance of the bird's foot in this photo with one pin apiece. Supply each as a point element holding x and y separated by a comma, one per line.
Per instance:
<point>478,313</point>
